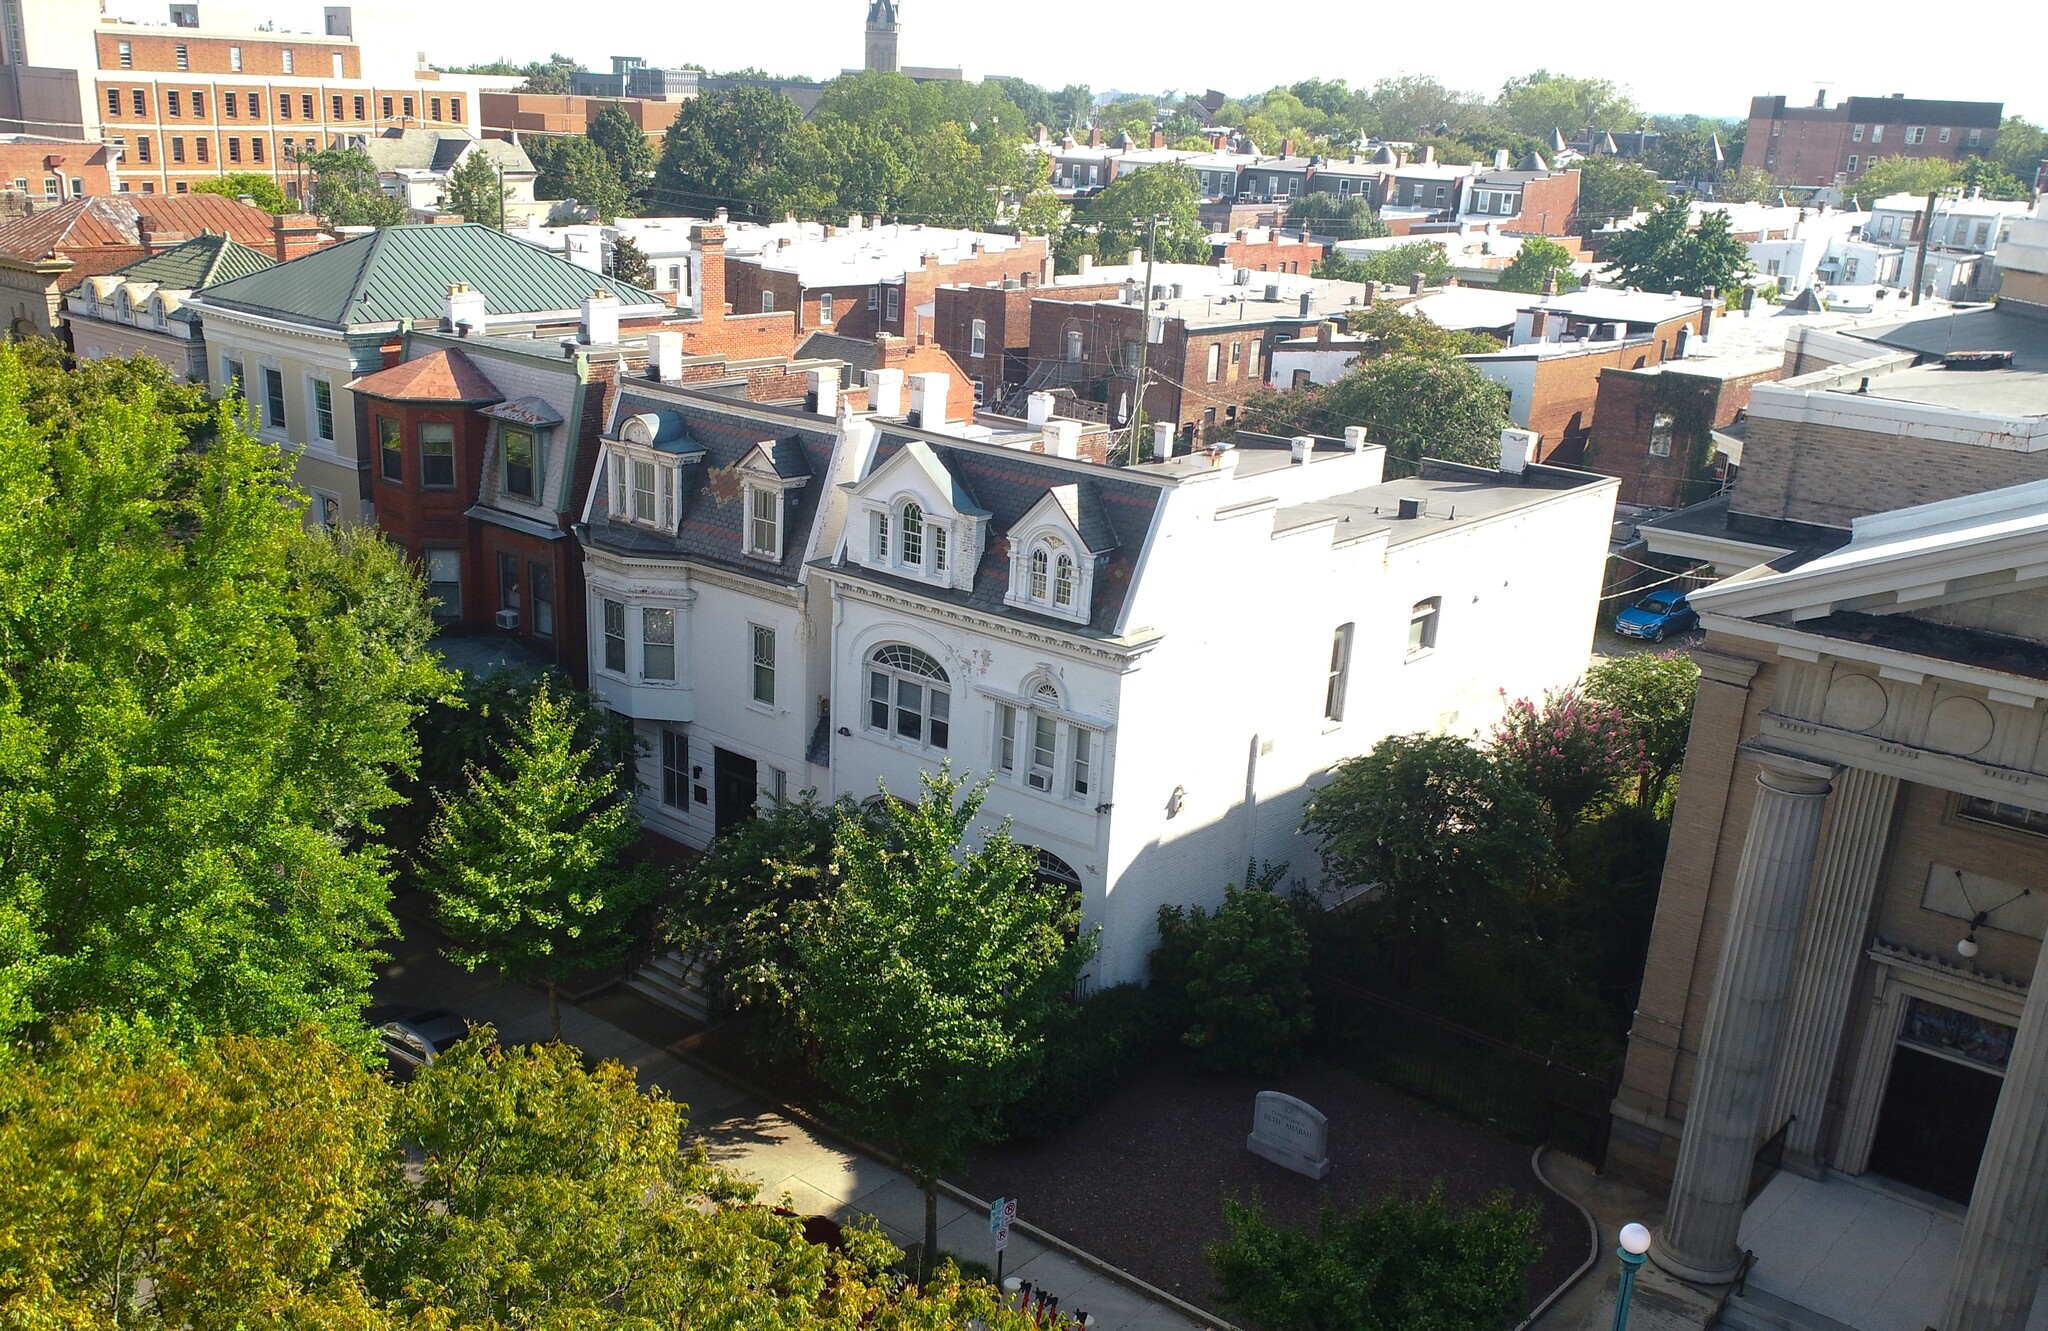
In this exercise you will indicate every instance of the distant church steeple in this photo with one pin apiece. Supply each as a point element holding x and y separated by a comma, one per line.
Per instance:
<point>883,29</point>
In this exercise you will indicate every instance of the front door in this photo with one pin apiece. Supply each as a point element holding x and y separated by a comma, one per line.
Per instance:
<point>1931,1129</point>
<point>733,792</point>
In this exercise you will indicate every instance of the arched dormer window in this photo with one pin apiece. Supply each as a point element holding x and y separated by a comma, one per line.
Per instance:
<point>911,531</point>
<point>1063,581</point>
<point>1039,561</point>
<point>909,696</point>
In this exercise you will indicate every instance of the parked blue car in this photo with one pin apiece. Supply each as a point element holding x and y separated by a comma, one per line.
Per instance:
<point>1657,616</point>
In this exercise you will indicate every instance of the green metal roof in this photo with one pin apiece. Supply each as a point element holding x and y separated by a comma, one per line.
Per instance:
<point>200,261</point>
<point>403,272</point>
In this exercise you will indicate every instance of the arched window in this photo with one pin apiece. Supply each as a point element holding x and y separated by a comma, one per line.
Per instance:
<point>1053,871</point>
<point>909,696</point>
<point>1039,564</point>
<point>1063,582</point>
<point>913,535</point>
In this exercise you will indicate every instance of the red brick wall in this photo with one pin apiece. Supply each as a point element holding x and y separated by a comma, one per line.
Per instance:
<point>81,161</point>
<point>1291,255</point>
<point>1628,407</point>
<point>1180,390</point>
<point>156,49</point>
<point>1549,205</point>
<point>1007,314</point>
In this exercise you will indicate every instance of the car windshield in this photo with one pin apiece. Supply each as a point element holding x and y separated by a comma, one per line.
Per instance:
<point>1658,603</point>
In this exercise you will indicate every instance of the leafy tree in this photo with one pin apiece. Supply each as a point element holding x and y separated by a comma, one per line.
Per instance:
<point>1536,264</point>
<point>625,147</point>
<point>345,190</point>
<point>1666,254</point>
<point>1653,693</point>
<point>475,726</point>
<point>1749,184</point>
<point>1570,751</point>
<point>524,866</point>
<point>551,75</point>
<point>1347,219</point>
<point>1396,265</point>
<point>1993,181</point>
<point>572,167</point>
<point>2021,146</point>
<point>1611,189</point>
<point>1042,214</point>
<point>1541,102</point>
<point>1454,844</point>
<point>476,191</point>
<point>1415,105</point>
<point>1899,174</point>
<point>1121,214</point>
<point>1396,330</point>
<point>1240,977</point>
<point>719,147</point>
<point>202,706</point>
<point>262,190</point>
<point>629,263</point>
<point>1394,1263</point>
<point>932,979</point>
<point>1416,406</point>
<point>220,1189</point>
<point>746,903</point>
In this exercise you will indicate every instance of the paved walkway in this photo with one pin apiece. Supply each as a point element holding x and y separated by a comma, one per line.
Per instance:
<point>751,1137</point>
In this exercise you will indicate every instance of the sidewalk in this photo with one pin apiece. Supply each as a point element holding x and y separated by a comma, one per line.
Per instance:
<point>1590,1303</point>
<point>753,1138</point>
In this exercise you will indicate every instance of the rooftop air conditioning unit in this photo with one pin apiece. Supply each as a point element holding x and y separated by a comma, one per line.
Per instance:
<point>508,620</point>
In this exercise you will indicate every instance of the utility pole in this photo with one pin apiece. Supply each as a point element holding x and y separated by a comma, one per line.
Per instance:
<point>1920,257</point>
<point>1144,341</point>
<point>501,198</point>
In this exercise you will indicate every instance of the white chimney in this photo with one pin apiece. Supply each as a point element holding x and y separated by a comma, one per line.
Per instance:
<point>1500,159</point>
<point>853,222</point>
<point>1063,438</point>
<point>665,353</point>
<point>928,399</point>
<point>1038,408</point>
<point>1162,439</point>
<point>1137,257</point>
<point>822,395</point>
<point>1354,438</point>
<point>885,392</point>
<point>464,306</point>
<point>1300,448</point>
<point>600,319</point>
<point>1087,264</point>
<point>1516,448</point>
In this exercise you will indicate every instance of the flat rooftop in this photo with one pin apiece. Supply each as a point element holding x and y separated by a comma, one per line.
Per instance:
<point>2021,390</point>
<point>1447,501</point>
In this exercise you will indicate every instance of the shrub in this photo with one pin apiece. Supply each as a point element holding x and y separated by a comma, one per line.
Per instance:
<point>1103,1039</point>
<point>1238,979</point>
<point>1394,1264</point>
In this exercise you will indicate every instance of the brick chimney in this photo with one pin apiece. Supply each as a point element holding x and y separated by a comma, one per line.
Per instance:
<point>1159,138</point>
<point>293,235</point>
<point>1287,147</point>
<point>1095,136</point>
<point>711,293</point>
<point>891,352</point>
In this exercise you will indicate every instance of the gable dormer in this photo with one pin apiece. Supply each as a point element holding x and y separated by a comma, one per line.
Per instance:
<point>644,468</point>
<point>912,517</point>
<point>1055,550</point>
<point>772,474</point>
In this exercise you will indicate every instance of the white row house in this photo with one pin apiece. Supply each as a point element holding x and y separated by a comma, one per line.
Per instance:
<point>1153,666</point>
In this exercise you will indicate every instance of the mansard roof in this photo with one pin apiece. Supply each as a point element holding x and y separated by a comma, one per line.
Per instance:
<point>1009,484</point>
<point>713,503</point>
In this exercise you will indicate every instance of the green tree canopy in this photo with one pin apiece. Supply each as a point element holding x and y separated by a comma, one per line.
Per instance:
<point>1538,103</point>
<point>551,75</point>
<point>1239,977</point>
<point>629,263</point>
<point>719,147</point>
<point>262,190</point>
<point>1395,265</point>
<point>572,167</point>
<point>1416,406</point>
<point>2022,145</point>
<point>1121,214</point>
<point>624,146</point>
<point>1899,174</point>
<point>1537,263</point>
<point>1569,750</point>
<point>1394,1263</point>
<point>1352,218</point>
<point>1611,189</point>
<point>933,977</point>
<point>1749,184</point>
<point>202,707</point>
<point>345,190</point>
<point>1653,693</point>
<point>476,191</point>
<point>525,865</point>
<point>1453,842</point>
<point>1667,254</point>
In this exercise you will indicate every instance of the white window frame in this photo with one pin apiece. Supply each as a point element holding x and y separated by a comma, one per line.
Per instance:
<point>623,468</point>
<point>1426,616</point>
<point>1877,133</point>
<point>652,616</point>
<point>761,650</point>
<point>1915,135</point>
<point>903,669</point>
<point>1039,745</point>
<point>606,637</point>
<point>1945,132</point>
<point>419,432</point>
<point>763,528</point>
<point>894,300</point>
<point>1856,134</point>
<point>286,55</point>
<point>539,468</point>
<point>450,607</point>
<point>1661,425</point>
<point>977,339</point>
<point>825,307</point>
<point>1338,681</point>
<point>321,417</point>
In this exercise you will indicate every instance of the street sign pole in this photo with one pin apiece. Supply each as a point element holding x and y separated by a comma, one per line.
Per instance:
<point>1000,1213</point>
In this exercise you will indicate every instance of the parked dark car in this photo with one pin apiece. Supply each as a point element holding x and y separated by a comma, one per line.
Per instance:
<point>415,1037</point>
<point>1657,616</point>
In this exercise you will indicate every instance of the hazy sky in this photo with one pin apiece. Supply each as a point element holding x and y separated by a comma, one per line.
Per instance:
<point>1673,57</point>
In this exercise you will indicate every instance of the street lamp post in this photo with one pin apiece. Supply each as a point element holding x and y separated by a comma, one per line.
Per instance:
<point>1635,1246</point>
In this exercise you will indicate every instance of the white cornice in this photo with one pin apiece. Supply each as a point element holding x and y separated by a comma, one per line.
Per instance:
<point>1799,645</point>
<point>1118,653</point>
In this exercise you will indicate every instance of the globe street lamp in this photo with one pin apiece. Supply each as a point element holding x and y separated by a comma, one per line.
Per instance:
<point>1635,1246</point>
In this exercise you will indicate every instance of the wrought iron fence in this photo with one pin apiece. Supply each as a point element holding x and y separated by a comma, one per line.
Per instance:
<point>1521,1094</point>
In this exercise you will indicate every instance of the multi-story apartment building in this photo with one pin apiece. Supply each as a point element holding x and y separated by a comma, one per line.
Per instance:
<point>184,102</point>
<point>1830,145</point>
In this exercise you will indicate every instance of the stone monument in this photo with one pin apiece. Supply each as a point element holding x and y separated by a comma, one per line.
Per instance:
<point>1291,1134</point>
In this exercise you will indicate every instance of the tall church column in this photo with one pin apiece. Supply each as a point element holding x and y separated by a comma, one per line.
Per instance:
<point>1844,886</point>
<point>1738,1048</point>
<point>2005,1235</point>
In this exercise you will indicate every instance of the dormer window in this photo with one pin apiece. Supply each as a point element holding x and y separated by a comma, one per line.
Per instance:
<point>1053,578</point>
<point>764,522</point>
<point>913,535</point>
<point>524,464</point>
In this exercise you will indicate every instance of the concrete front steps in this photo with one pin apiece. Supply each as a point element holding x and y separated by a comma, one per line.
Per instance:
<point>1757,1310</point>
<point>675,983</point>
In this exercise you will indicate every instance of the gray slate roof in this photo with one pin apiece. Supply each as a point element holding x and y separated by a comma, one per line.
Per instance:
<point>403,272</point>
<point>438,149</point>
